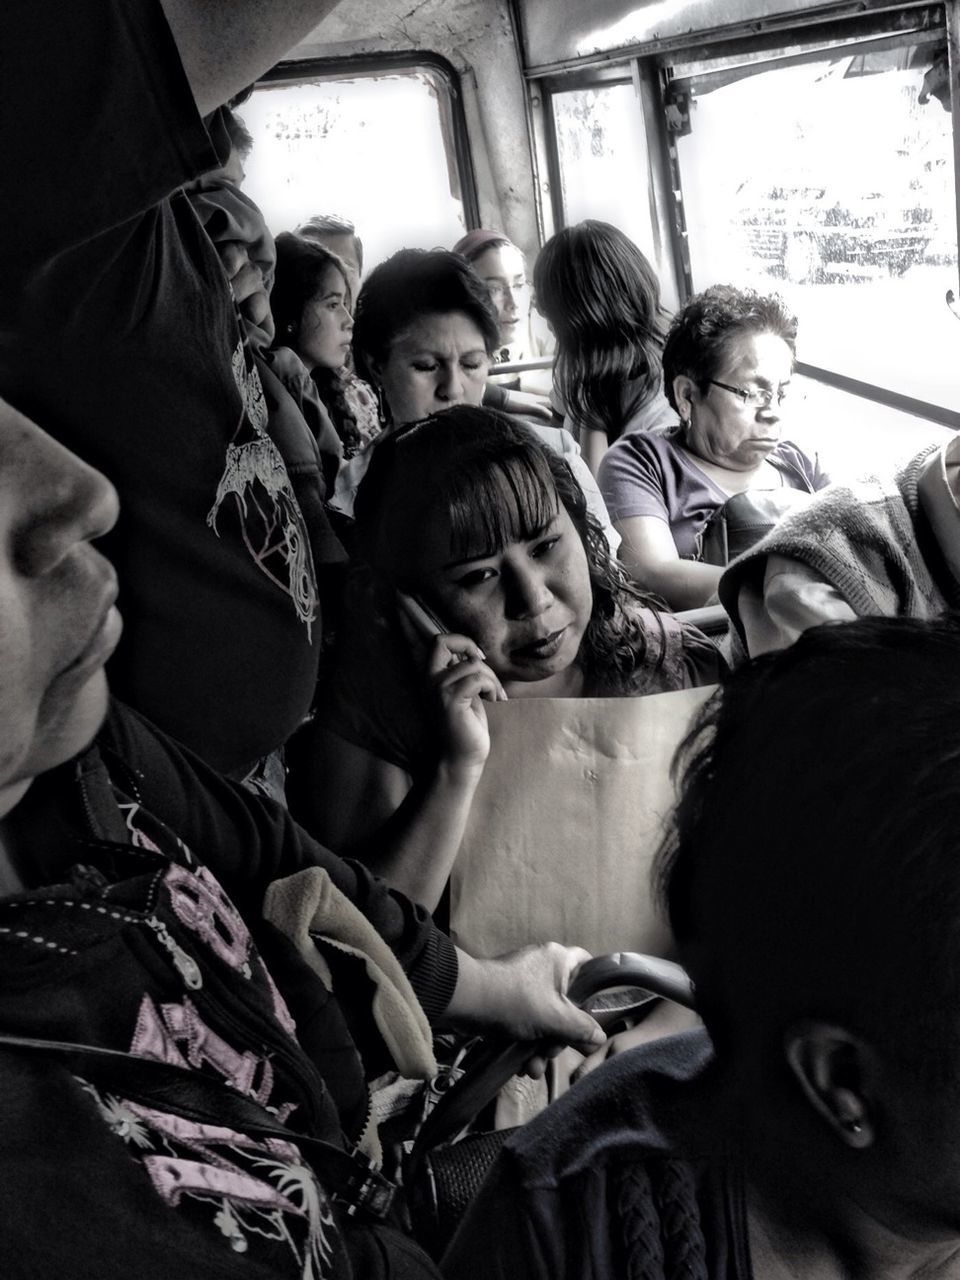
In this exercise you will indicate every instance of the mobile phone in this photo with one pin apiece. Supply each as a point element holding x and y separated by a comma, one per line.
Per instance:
<point>426,623</point>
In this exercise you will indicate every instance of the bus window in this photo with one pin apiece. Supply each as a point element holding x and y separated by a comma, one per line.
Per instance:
<point>603,159</point>
<point>374,148</point>
<point>833,182</point>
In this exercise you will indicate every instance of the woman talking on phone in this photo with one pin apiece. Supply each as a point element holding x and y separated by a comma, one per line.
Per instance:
<point>483,578</point>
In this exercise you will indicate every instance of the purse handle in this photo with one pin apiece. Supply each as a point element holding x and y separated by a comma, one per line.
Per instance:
<point>490,1063</point>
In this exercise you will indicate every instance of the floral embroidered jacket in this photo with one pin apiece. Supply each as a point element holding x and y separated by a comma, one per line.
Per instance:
<point>139,932</point>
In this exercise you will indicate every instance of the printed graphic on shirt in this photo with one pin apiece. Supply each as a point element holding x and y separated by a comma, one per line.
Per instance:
<point>256,483</point>
<point>147,832</point>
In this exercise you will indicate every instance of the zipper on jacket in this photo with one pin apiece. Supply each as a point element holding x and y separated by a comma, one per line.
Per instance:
<point>184,963</point>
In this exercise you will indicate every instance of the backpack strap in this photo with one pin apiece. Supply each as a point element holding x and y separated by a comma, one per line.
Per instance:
<point>348,1177</point>
<point>788,467</point>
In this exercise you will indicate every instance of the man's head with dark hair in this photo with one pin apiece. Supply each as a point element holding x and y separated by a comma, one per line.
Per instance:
<point>240,136</point>
<point>233,141</point>
<point>812,881</point>
<point>812,870</point>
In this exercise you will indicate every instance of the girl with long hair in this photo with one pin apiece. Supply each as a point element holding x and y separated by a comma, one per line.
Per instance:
<point>601,297</point>
<point>312,314</point>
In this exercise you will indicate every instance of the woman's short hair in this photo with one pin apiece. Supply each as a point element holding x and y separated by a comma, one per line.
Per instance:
<point>811,866</point>
<point>301,268</point>
<point>414,283</point>
<point>491,481</point>
<point>602,298</point>
<point>701,334</point>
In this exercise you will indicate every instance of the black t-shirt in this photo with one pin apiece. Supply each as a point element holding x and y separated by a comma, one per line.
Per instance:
<point>120,337</point>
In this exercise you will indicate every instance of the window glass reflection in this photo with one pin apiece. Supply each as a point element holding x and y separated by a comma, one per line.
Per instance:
<point>833,182</point>
<point>336,146</point>
<point>604,165</point>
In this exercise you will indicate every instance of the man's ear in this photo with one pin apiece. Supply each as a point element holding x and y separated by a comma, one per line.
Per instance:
<point>838,1074</point>
<point>684,389</point>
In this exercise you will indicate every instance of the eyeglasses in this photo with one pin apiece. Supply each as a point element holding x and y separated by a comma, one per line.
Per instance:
<point>755,397</point>
<point>498,292</point>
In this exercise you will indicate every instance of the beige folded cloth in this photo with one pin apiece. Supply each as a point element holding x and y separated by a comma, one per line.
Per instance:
<point>308,905</point>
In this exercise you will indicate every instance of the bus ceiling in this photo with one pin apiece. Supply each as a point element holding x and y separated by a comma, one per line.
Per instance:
<point>562,35</point>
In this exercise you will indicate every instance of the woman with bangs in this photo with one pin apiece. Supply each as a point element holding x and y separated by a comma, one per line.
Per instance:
<point>601,298</point>
<point>426,333</point>
<point>482,578</point>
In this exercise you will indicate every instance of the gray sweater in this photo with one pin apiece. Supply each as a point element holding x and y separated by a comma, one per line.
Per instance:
<point>870,540</point>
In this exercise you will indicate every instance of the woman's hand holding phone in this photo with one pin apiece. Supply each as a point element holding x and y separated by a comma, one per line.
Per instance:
<point>463,681</point>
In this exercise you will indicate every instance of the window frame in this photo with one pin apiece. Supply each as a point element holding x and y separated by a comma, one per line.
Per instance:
<point>358,66</point>
<point>780,41</point>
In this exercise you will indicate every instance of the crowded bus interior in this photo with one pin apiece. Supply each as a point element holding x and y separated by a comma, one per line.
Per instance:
<point>479,634</point>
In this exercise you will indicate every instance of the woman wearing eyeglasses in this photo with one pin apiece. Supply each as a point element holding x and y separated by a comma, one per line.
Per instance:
<point>727,365</point>
<point>502,268</point>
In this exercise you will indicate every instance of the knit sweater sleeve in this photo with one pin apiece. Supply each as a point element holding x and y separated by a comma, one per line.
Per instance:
<point>868,541</point>
<point>793,599</point>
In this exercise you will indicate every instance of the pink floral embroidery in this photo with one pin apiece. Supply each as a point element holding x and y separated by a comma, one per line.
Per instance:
<point>201,905</point>
<point>180,1027</point>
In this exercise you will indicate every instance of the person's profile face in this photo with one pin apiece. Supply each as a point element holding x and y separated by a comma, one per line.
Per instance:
<point>323,339</point>
<point>503,271</point>
<point>438,361</point>
<point>58,620</point>
<point>231,170</point>
<point>527,604</point>
<point>344,245</point>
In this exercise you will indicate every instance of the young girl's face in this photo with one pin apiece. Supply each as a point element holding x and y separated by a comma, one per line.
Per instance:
<point>527,604</point>
<point>503,271</point>
<point>323,340</point>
